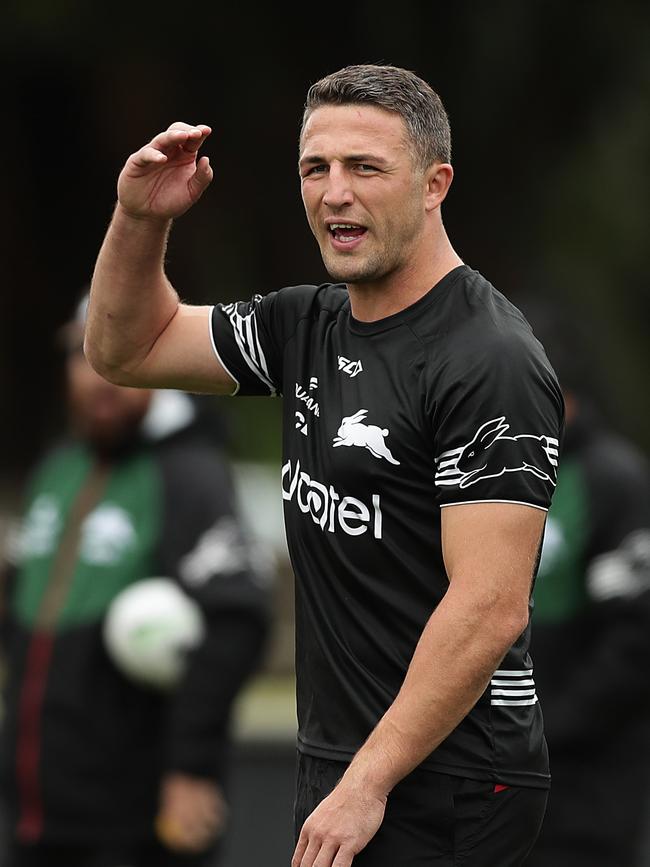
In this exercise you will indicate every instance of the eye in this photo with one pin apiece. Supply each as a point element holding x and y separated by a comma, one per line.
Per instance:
<point>364,168</point>
<point>470,455</point>
<point>315,170</point>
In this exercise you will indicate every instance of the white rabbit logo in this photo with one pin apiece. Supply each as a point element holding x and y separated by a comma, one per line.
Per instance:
<point>353,432</point>
<point>490,454</point>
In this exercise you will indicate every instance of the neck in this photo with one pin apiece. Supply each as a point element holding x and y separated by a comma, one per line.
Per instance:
<point>427,265</point>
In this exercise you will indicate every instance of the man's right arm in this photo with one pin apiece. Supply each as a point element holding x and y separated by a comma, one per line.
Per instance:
<point>138,333</point>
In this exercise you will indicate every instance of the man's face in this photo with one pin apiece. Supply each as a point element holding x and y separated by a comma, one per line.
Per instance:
<point>104,415</point>
<point>357,170</point>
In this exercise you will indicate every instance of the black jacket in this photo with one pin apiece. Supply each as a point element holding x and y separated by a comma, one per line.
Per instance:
<point>84,747</point>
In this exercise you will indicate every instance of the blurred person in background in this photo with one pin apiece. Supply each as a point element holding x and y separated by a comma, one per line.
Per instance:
<point>591,634</point>
<point>97,769</point>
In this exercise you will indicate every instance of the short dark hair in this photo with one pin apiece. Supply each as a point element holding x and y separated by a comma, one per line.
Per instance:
<point>393,89</point>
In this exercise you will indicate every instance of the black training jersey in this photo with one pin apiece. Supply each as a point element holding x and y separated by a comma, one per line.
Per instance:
<point>451,400</point>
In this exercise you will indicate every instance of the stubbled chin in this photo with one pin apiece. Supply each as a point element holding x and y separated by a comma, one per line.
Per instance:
<point>349,269</point>
<point>340,272</point>
<point>351,277</point>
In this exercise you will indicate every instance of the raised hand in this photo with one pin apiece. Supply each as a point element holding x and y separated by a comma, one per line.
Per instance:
<point>164,179</point>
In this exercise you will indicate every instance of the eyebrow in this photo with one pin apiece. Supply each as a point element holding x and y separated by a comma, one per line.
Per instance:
<point>351,158</point>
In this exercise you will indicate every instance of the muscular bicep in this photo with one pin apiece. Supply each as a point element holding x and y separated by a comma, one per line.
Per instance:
<point>183,356</point>
<point>492,549</point>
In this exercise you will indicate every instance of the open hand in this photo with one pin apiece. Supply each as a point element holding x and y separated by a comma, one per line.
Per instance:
<point>340,827</point>
<point>164,179</point>
<point>192,813</point>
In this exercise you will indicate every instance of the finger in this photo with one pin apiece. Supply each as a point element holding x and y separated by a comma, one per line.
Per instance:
<point>195,140</point>
<point>171,139</point>
<point>201,178</point>
<point>310,855</point>
<point>326,856</point>
<point>196,133</point>
<point>301,846</point>
<point>148,156</point>
<point>180,124</point>
<point>343,858</point>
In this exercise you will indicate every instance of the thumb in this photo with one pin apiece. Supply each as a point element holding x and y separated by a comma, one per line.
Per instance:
<point>201,178</point>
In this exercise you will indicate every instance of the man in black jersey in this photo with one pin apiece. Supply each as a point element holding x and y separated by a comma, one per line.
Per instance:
<point>421,438</point>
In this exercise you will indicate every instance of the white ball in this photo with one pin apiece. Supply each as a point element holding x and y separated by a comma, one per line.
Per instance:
<point>149,628</point>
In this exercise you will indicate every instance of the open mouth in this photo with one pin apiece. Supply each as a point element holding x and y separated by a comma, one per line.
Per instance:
<point>346,233</point>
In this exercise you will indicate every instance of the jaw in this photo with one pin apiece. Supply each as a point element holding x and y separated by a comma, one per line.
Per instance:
<point>359,260</point>
<point>377,256</point>
<point>351,266</point>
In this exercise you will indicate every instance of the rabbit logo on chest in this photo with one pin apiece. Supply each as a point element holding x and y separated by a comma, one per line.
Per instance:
<point>354,432</point>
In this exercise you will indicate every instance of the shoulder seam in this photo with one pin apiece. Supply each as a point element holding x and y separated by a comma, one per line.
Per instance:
<point>307,316</point>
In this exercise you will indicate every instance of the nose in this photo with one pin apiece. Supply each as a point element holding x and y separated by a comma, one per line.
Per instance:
<point>339,189</point>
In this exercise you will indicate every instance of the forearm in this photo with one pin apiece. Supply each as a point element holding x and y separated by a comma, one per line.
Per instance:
<point>131,300</point>
<point>458,652</point>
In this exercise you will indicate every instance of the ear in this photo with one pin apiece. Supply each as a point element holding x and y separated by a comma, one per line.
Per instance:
<point>491,430</point>
<point>438,178</point>
<point>360,414</point>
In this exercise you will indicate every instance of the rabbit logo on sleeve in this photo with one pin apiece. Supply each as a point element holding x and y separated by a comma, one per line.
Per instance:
<point>490,453</point>
<point>353,431</point>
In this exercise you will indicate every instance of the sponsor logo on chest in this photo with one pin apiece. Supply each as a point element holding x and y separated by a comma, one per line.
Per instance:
<point>328,509</point>
<point>308,399</point>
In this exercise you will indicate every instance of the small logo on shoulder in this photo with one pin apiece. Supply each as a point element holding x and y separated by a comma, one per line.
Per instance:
<point>352,368</point>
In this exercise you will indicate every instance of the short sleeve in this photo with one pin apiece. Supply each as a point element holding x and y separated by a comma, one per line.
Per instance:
<point>249,337</point>
<point>247,346</point>
<point>497,414</point>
